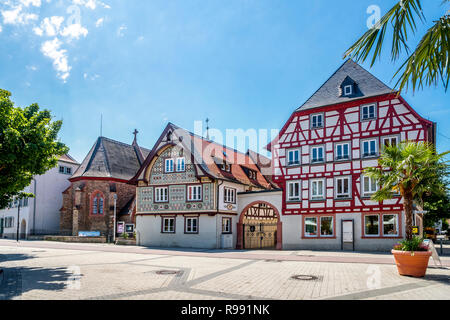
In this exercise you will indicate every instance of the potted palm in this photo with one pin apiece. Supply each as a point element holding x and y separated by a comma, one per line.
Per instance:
<point>411,169</point>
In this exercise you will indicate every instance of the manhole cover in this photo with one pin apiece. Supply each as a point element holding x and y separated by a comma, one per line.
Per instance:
<point>168,272</point>
<point>272,260</point>
<point>304,277</point>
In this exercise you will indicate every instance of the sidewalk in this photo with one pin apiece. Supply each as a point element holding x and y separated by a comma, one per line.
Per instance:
<point>272,255</point>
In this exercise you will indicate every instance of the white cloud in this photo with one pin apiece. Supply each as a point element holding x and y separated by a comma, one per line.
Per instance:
<point>91,4</point>
<point>99,22</point>
<point>26,3</point>
<point>1,29</point>
<point>16,16</point>
<point>49,26</point>
<point>52,49</point>
<point>74,31</point>
<point>121,30</point>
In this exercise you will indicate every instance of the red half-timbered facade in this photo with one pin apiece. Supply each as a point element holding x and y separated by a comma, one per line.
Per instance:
<point>322,150</point>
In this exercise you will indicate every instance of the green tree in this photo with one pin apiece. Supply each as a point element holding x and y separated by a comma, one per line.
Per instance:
<point>412,169</point>
<point>428,63</point>
<point>28,146</point>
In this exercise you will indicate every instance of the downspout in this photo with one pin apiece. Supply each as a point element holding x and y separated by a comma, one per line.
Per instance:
<point>217,199</point>
<point>34,206</point>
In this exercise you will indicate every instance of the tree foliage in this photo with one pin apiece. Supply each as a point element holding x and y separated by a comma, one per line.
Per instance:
<point>427,64</point>
<point>412,169</point>
<point>28,146</point>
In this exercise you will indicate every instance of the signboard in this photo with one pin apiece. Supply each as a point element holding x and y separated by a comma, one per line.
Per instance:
<point>415,230</point>
<point>89,234</point>
<point>129,228</point>
<point>347,229</point>
<point>120,227</point>
<point>434,254</point>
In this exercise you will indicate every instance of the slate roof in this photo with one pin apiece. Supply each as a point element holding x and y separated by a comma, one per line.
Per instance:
<point>112,159</point>
<point>329,93</point>
<point>206,154</point>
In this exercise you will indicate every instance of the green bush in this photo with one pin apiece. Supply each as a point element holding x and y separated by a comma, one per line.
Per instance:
<point>125,235</point>
<point>415,244</point>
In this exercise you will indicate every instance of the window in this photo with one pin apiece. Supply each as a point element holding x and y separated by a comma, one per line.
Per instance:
<point>316,121</point>
<point>326,226</point>
<point>161,194</point>
<point>342,187</point>
<point>168,225</point>
<point>61,169</point>
<point>389,141</point>
<point>368,112</point>
<point>191,225</point>
<point>194,193</point>
<point>348,90</point>
<point>25,202</point>
<point>293,157</point>
<point>169,165</point>
<point>311,227</point>
<point>317,154</point>
<point>68,170</point>
<point>371,223</point>
<point>369,186</point>
<point>226,225</point>
<point>293,191</point>
<point>343,151</point>
<point>369,148</point>
<point>251,174</point>
<point>390,225</point>
<point>65,170</point>
<point>225,166</point>
<point>97,204</point>
<point>317,189</point>
<point>181,164</point>
<point>229,195</point>
<point>9,222</point>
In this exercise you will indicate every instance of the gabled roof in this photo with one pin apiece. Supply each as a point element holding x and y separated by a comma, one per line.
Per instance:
<point>367,84</point>
<point>111,159</point>
<point>264,164</point>
<point>67,158</point>
<point>205,154</point>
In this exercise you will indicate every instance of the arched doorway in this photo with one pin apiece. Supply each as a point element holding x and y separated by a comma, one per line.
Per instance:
<point>259,227</point>
<point>23,229</point>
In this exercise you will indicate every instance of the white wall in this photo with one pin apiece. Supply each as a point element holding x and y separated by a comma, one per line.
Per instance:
<point>48,200</point>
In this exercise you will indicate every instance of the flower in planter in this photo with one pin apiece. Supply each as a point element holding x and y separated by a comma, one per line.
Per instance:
<point>412,245</point>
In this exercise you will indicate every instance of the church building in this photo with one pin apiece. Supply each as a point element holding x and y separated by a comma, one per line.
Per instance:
<point>99,182</point>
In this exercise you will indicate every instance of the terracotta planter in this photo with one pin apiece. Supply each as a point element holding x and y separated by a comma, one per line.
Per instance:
<point>413,264</point>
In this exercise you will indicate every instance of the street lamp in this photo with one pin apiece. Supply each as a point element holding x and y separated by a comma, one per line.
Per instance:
<point>114,218</point>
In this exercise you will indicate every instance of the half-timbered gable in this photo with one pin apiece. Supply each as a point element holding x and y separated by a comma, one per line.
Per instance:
<point>321,152</point>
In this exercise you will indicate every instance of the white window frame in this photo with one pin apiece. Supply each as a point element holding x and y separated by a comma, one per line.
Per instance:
<point>363,155</point>
<point>320,227</point>
<point>161,194</point>
<point>396,224</point>
<point>195,195</point>
<point>367,193</point>
<point>322,122</point>
<point>169,230</point>
<point>317,227</point>
<point>294,199</point>
<point>323,193</point>
<point>289,164</point>
<point>343,196</point>
<point>374,105</point>
<point>183,164</point>
<point>364,226</point>
<point>226,227</point>
<point>347,93</point>
<point>229,195</point>
<point>312,154</point>
<point>336,151</point>
<point>166,167</point>
<point>187,219</point>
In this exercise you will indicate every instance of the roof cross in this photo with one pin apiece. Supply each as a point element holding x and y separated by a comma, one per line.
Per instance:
<point>135,132</point>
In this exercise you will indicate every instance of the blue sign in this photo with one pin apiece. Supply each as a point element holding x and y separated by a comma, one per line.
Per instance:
<point>89,234</point>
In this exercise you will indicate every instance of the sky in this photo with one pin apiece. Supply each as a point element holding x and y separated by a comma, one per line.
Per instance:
<point>140,64</point>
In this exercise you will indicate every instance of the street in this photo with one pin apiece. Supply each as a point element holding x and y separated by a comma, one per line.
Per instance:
<point>47,270</point>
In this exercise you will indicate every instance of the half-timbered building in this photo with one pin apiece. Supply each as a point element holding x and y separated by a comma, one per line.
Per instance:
<point>187,191</point>
<point>320,156</point>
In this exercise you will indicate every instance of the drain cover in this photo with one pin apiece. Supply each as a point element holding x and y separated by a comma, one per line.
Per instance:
<point>272,260</point>
<point>304,277</point>
<point>168,272</point>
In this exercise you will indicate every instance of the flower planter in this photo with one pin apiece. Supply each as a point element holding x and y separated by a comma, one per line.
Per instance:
<point>413,264</point>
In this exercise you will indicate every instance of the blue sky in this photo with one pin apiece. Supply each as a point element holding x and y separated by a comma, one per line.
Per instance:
<point>242,63</point>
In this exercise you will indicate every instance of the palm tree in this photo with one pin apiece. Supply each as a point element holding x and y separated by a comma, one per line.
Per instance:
<point>428,63</point>
<point>411,169</point>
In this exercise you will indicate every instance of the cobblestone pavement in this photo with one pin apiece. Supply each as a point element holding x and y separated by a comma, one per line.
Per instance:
<point>43,270</point>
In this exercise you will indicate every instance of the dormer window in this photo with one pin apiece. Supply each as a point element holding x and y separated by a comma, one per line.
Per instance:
<point>252,174</point>
<point>225,166</point>
<point>348,90</point>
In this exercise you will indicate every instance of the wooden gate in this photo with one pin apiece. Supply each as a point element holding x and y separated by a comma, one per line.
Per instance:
<point>260,235</point>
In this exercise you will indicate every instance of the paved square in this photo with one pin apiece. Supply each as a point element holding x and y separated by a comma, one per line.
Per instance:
<point>45,270</point>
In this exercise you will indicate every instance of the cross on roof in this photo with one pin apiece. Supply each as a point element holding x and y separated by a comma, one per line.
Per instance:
<point>135,132</point>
